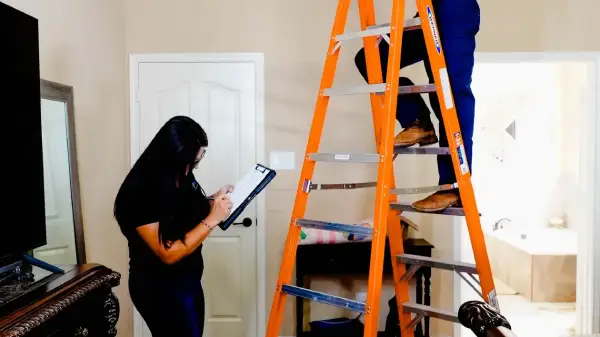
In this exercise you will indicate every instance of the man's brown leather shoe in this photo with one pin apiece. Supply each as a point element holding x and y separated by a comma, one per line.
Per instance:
<point>417,133</point>
<point>437,202</point>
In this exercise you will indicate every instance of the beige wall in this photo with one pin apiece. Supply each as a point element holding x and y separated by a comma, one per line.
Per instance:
<point>82,44</point>
<point>293,35</point>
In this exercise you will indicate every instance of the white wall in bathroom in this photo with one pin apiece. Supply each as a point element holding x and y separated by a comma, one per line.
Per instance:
<point>519,178</point>
<point>564,86</point>
<point>575,100</point>
<point>515,178</point>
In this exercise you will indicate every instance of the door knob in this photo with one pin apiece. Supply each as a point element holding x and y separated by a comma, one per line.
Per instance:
<point>247,222</point>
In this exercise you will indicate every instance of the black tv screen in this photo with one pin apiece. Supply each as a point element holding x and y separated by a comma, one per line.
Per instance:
<point>23,220</point>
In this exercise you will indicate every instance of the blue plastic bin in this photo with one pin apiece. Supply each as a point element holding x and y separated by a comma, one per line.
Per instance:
<point>337,327</point>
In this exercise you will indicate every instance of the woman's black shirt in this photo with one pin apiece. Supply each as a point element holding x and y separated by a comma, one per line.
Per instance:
<point>145,205</point>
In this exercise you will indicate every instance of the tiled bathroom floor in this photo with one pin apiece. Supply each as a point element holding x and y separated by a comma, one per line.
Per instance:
<point>538,319</point>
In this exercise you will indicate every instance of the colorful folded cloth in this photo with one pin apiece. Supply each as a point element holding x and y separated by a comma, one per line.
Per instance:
<point>313,236</point>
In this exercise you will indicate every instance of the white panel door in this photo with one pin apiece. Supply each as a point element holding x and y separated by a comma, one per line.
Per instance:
<point>221,97</point>
<point>60,230</point>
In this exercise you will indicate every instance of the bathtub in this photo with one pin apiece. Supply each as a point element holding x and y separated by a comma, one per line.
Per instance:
<point>540,264</point>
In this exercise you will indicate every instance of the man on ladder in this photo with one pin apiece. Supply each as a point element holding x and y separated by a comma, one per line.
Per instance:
<point>458,23</point>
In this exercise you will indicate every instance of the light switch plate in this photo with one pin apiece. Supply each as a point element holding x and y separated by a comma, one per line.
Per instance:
<point>282,160</point>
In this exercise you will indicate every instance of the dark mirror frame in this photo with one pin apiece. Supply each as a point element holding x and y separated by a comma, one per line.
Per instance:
<point>64,93</point>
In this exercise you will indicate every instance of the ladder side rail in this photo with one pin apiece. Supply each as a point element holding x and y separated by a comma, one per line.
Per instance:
<point>401,287</point>
<point>308,166</point>
<point>451,124</point>
<point>366,11</point>
<point>375,76</point>
<point>385,170</point>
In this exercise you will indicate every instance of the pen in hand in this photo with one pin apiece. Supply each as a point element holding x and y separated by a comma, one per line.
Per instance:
<point>213,198</point>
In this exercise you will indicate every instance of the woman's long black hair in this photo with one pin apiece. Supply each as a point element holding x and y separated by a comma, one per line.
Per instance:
<point>160,173</point>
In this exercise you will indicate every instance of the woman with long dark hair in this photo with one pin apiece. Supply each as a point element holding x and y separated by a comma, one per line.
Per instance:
<point>165,216</point>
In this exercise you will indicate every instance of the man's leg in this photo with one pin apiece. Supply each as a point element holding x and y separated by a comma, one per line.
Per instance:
<point>411,110</point>
<point>459,49</point>
<point>392,322</point>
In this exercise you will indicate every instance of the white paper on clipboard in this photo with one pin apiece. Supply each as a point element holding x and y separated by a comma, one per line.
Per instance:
<point>245,186</point>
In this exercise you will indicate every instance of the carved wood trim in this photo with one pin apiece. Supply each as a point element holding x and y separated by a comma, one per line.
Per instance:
<point>111,313</point>
<point>53,308</point>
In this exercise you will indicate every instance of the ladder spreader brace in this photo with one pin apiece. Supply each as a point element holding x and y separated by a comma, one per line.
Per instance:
<point>386,222</point>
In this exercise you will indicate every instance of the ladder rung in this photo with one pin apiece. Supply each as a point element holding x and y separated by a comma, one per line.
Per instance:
<point>342,186</point>
<point>355,89</point>
<point>425,261</point>
<point>415,89</point>
<point>408,208</point>
<point>346,157</point>
<point>422,150</point>
<point>335,227</point>
<point>378,89</point>
<point>425,310</point>
<point>428,189</point>
<point>320,297</point>
<point>376,30</point>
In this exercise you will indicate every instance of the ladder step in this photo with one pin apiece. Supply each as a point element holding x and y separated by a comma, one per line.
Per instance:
<point>346,157</point>
<point>439,151</point>
<point>405,207</point>
<point>425,261</point>
<point>342,186</point>
<point>428,189</point>
<point>376,30</point>
<point>320,297</point>
<point>430,312</point>
<point>414,89</point>
<point>355,89</point>
<point>335,227</point>
<point>378,89</point>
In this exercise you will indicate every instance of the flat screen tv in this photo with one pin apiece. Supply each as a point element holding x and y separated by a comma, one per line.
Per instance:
<point>22,210</point>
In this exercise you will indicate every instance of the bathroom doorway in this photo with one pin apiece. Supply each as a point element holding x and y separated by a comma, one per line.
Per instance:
<point>534,150</point>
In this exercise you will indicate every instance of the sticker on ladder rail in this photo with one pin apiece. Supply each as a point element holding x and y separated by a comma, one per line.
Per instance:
<point>446,91</point>
<point>493,300</point>
<point>434,32</point>
<point>462,159</point>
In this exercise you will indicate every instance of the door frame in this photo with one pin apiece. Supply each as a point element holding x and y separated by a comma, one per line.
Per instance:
<point>257,59</point>
<point>588,264</point>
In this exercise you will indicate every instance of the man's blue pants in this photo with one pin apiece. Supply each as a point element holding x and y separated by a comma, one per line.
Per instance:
<point>458,23</point>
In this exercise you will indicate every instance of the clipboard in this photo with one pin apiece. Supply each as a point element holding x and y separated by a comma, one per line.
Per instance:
<point>251,184</point>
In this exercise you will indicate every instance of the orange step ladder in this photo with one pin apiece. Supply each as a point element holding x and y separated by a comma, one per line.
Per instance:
<point>387,209</point>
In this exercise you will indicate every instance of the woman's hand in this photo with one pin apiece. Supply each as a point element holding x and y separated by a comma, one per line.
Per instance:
<point>224,190</point>
<point>220,207</point>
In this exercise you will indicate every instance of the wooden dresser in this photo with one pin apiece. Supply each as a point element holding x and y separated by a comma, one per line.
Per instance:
<point>79,303</point>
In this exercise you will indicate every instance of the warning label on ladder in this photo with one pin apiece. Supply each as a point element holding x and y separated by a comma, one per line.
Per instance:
<point>436,39</point>
<point>446,89</point>
<point>493,300</point>
<point>460,148</point>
